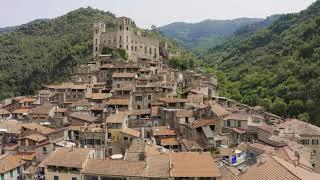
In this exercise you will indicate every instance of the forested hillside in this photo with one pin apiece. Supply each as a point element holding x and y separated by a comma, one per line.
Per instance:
<point>13,28</point>
<point>277,67</point>
<point>204,34</point>
<point>45,51</point>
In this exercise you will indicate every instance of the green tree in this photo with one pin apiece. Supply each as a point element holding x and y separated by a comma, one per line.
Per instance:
<point>279,107</point>
<point>295,107</point>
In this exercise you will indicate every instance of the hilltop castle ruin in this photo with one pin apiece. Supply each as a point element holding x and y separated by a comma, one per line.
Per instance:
<point>125,35</point>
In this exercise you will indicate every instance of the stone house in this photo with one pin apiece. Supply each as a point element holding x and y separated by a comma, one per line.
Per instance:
<point>65,163</point>
<point>11,167</point>
<point>42,113</point>
<point>236,124</point>
<point>10,131</point>
<point>144,95</point>
<point>5,114</point>
<point>81,119</point>
<point>116,122</point>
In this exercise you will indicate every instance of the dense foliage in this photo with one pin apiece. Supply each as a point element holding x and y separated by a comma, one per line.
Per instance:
<point>277,67</point>
<point>45,51</point>
<point>204,34</point>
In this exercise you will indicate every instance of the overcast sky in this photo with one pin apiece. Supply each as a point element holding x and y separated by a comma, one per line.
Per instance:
<point>148,12</point>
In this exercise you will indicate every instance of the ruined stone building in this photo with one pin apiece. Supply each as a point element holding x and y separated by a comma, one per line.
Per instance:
<point>125,35</point>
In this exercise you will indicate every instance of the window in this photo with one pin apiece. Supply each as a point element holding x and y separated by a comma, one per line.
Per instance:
<point>127,47</point>
<point>138,98</point>
<point>74,178</point>
<point>96,31</point>
<point>149,97</point>
<point>127,39</point>
<point>55,177</point>
<point>120,38</point>
<point>127,28</point>
<point>96,41</point>
<point>109,135</point>
<point>125,138</point>
<point>11,173</point>
<point>187,120</point>
<point>44,150</point>
<point>228,123</point>
<point>118,85</point>
<point>239,124</point>
<point>96,48</point>
<point>2,176</point>
<point>18,170</point>
<point>120,28</point>
<point>315,142</point>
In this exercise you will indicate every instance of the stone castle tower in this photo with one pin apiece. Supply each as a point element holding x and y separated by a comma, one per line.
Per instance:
<point>125,36</point>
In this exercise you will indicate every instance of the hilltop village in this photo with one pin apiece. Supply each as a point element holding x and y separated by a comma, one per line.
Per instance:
<point>140,119</point>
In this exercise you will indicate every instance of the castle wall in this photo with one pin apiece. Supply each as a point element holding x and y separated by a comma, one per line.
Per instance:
<point>125,36</point>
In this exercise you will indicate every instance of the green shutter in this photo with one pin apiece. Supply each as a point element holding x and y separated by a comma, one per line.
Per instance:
<point>2,176</point>
<point>56,178</point>
<point>11,173</point>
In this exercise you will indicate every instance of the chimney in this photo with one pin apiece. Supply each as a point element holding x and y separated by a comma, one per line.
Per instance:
<point>262,159</point>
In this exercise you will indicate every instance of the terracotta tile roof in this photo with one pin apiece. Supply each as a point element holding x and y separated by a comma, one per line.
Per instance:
<point>238,115</point>
<point>27,156</point>
<point>158,166</point>
<point>169,141</point>
<point>67,86</point>
<point>200,165</point>
<point>115,167</point>
<point>81,102</point>
<point>4,111</point>
<point>11,126</point>
<point>27,99</point>
<point>203,122</point>
<point>38,128</point>
<point>97,96</point>
<point>140,112</point>
<point>162,131</point>
<point>123,75</point>
<point>9,162</point>
<point>191,144</point>
<point>97,107</point>
<point>193,90</point>
<point>83,117</point>
<point>300,127</point>
<point>269,170</point>
<point>131,132</point>
<point>172,100</point>
<point>60,110</point>
<point>21,111</point>
<point>298,171</point>
<point>184,113</point>
<point>35,137</point>
<point>42,109</point>
<point>266,128</point>
<point>116,118</point>
<point>218,109</point>
<point>239,130</point>
<point>117,101</point>
<point>66,157</point>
